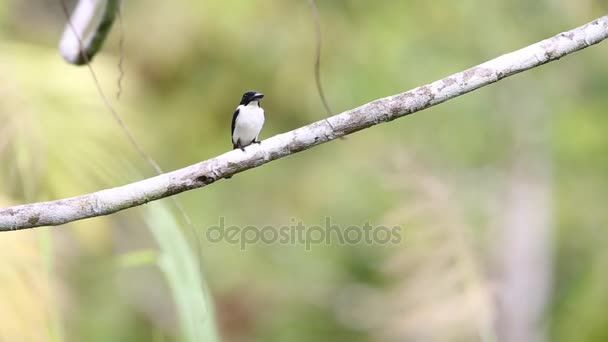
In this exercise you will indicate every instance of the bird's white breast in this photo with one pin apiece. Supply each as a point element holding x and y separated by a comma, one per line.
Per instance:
<point>248,123</point>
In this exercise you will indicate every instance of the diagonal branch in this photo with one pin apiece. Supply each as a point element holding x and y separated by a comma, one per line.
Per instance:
<point>109,201</point>
<point>87,29</point>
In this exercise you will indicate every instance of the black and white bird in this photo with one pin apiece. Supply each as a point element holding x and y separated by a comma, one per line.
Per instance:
<point>247,120</point>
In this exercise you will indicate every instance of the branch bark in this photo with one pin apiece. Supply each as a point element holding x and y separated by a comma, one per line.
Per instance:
<point>386,109</point>
<point>87,29</point>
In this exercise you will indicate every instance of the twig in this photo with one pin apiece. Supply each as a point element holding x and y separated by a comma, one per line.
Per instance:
<point>109,201</point>
<point>121,52</point>
<point>318,45</point>
<point>317,65</point>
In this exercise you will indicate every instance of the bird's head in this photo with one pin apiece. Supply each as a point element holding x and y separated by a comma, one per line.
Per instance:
<point>251,96</point>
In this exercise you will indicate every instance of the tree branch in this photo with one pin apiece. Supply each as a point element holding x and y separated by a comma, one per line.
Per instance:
<point>87,29</point>
<point>109,201</point>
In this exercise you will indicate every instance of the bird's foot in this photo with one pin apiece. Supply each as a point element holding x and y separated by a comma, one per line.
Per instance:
<point>257,142</point>
<point>238,145</point>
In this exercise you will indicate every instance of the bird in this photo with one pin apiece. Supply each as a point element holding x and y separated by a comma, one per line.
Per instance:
<point>247,120</point>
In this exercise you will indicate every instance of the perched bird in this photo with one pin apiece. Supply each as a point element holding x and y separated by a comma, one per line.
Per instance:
<point>247,120</point>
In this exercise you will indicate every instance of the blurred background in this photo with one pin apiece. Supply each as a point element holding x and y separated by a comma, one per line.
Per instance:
<point>500,195</point>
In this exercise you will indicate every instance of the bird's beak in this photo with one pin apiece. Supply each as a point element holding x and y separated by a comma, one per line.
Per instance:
<point>258,96</point>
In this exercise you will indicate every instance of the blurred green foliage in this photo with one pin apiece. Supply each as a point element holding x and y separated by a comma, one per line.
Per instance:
<point>187,63</point>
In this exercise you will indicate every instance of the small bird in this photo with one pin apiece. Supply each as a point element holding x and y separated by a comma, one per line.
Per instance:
<point>247,120</point>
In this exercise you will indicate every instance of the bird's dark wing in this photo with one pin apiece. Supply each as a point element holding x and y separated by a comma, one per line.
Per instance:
<point>234,116</point>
